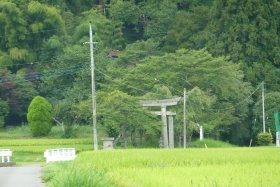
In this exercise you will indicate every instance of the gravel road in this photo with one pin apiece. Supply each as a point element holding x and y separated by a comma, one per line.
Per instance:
<point>21,176</point>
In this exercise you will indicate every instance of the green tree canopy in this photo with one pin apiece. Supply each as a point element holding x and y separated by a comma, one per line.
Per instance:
<point>216,77</point>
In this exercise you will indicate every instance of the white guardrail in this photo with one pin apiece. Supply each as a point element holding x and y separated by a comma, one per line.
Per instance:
<point>60,154</point>
<point>5,153</point>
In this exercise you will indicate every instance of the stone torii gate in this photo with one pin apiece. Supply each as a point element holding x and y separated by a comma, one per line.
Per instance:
<point>168,141</point>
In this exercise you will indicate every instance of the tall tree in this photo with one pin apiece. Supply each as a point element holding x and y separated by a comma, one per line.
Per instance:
<point>122,115</point>
<point>216,77</point>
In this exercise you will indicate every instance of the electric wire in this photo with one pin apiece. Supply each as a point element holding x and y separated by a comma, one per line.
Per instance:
<point>29,33</point>
<point>37,62</point>
<point>132,87</point>
<point>35,76</point>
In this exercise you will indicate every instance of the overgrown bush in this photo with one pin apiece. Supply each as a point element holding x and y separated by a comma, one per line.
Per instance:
<point>39,116</point>
<point>264,138</point>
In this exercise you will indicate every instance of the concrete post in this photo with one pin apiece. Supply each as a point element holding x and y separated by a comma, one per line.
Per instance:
<point>277,140</point>
<point>108,143</point>
<point>201,133</point>
<point>171,132</point>
<point>164,127</point>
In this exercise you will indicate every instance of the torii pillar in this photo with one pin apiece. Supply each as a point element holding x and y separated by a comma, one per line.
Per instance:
<point>163,104</point>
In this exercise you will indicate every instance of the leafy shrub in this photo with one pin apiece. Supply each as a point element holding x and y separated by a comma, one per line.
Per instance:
<point>39,116</point>
<point>264,138</point>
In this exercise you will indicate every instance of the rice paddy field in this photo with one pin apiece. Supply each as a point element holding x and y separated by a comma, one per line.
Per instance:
<point>28,151</point>
<point>166,168</point>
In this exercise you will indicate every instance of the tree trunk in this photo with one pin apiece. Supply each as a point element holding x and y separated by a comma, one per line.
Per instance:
<point>124,138</point>
<point>132,136</point>
<point>141,137</point>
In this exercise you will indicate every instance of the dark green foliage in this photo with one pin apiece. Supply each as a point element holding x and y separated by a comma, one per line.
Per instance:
<point>193,36</point>
<point>264,139</point>
<point>4,111</point>
<point>39,116</point>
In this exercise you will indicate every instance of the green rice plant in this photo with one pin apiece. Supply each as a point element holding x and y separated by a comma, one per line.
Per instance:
<point>27,151</point>
<point>181,167</point>
<point>68,175</point>
<point>27,158</point>
<point>33,142</point>
<point>80,131</point>
<point>17,132</point>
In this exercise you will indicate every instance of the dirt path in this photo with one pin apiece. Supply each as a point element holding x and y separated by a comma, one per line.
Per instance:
<point>22,176</point>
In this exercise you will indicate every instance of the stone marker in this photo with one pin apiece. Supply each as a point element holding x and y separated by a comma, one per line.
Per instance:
<point>108,143</point>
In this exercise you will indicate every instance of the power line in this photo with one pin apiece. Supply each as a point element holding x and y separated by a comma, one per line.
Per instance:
<point>134,88</point>
<point>29,33</point>
<point>40,75</point>
<point>214,109</point>
<point>37,62</point>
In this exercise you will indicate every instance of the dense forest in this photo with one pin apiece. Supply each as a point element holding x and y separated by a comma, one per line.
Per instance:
<point>219,50</point>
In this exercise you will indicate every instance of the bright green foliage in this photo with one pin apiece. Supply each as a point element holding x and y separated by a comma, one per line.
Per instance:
<point>44,18</point>
<point>264,138</point>
<point>39,116</point>
<point>106,32</point>
<point>121,114</point>
<point>13,26</point>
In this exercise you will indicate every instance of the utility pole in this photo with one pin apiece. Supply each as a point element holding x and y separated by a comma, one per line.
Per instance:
<point>263,106</point>
<point>184,132</point>
<point>95,141</point>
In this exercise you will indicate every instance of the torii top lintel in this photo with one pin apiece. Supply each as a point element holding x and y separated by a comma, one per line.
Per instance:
<point>163,102</point>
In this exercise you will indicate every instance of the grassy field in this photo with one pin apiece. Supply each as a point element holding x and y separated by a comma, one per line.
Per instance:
<point>165,168</point>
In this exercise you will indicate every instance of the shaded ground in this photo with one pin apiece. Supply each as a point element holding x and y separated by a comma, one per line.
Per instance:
<point>22,176</point>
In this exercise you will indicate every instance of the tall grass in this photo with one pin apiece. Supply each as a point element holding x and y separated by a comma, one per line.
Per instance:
<point>189,167</point>
<point>66,175</point>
